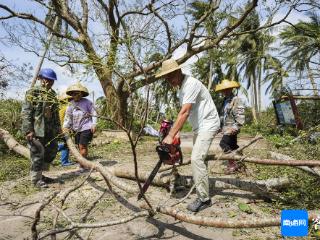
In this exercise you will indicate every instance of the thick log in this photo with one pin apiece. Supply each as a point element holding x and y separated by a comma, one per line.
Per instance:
<point>261,187</point>
<point>13,144</point>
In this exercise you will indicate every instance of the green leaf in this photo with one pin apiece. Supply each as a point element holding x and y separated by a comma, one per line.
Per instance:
<point>245,208</point>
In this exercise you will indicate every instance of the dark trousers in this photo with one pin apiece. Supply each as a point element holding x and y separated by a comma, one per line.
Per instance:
<point>228,143</point>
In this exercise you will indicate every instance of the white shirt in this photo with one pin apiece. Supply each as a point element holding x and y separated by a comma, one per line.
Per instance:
<point>203,116</point>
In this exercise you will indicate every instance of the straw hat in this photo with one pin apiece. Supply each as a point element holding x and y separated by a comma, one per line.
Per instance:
<point>78,87</point>
<point>226,84</point>
<point>167,67</point>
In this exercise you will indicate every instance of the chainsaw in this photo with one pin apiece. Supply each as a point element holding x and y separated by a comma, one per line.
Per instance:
<point>169,154</point>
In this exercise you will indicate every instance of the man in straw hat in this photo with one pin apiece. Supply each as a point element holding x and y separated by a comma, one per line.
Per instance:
<point>198,107</point>
<point>80,117</point>
<point>41,126</point>
<point>232,118</point>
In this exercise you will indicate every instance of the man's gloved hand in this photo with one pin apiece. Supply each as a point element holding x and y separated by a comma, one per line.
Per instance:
<point>30,136</point>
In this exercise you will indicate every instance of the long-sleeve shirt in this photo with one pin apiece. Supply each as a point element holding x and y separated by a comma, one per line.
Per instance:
<point>80,116</point>
<point>232,114</point>
<point>40,113</point>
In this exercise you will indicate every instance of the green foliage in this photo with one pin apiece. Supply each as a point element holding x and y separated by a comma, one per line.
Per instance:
<point>13,167</point>
<point>186,127</point>
<point>265,126</point>
<point>280,141</point>
<point>309,112</point>
<point>301,42</point>
<point>302,192</point>
<point>104,124</point>
<point>10,118</point>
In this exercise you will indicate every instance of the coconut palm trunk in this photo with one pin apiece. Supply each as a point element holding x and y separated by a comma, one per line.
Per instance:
<point>313,83</point>
<point>210,75</point>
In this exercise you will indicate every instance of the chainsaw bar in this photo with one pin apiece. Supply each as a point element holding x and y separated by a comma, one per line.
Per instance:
<point>150,179</point>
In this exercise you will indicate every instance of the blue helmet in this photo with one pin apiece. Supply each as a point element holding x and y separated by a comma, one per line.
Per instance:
<point>48,73</point>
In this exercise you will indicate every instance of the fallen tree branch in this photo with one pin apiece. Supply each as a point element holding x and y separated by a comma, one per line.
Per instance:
<point>63,196</point>
<point>74,225</point>
<point>265,161</point>
<point>280,156</point>
<point>13,144</point>
<point>48,199</point>
<point>18,148</point>
<point>97,166</point>
<point>188,161</point>
<point>222,222</point>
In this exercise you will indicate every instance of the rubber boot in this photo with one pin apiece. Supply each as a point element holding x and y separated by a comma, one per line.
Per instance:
<point>64,155</point>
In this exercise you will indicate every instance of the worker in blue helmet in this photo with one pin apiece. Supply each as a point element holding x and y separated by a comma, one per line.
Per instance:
<point>41,126</point>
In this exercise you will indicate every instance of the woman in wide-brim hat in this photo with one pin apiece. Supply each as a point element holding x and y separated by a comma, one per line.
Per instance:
<point>80,117</point>
<point>232,118</point>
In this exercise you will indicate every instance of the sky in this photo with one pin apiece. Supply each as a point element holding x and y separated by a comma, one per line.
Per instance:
<point>18,55</point>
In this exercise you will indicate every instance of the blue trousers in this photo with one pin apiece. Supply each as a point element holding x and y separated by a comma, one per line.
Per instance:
<point>62,147</point>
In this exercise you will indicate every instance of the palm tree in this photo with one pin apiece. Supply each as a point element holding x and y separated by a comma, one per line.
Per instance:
<point>252,53</point>
<point>275,74</point>
<point>302,44</point>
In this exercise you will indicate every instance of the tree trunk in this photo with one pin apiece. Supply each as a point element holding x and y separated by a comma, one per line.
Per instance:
<point>45,50</point>
<point>253,102</point>
<point>210,75</point>
<point>259,88</point>
<point>313,83</point>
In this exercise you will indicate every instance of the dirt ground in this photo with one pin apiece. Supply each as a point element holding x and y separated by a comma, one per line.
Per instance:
<point>15,222</point>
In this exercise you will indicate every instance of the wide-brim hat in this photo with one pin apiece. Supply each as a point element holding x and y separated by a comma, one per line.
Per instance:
<point>167,67</point>
<point>226,84</point>
<point>78,87</point>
